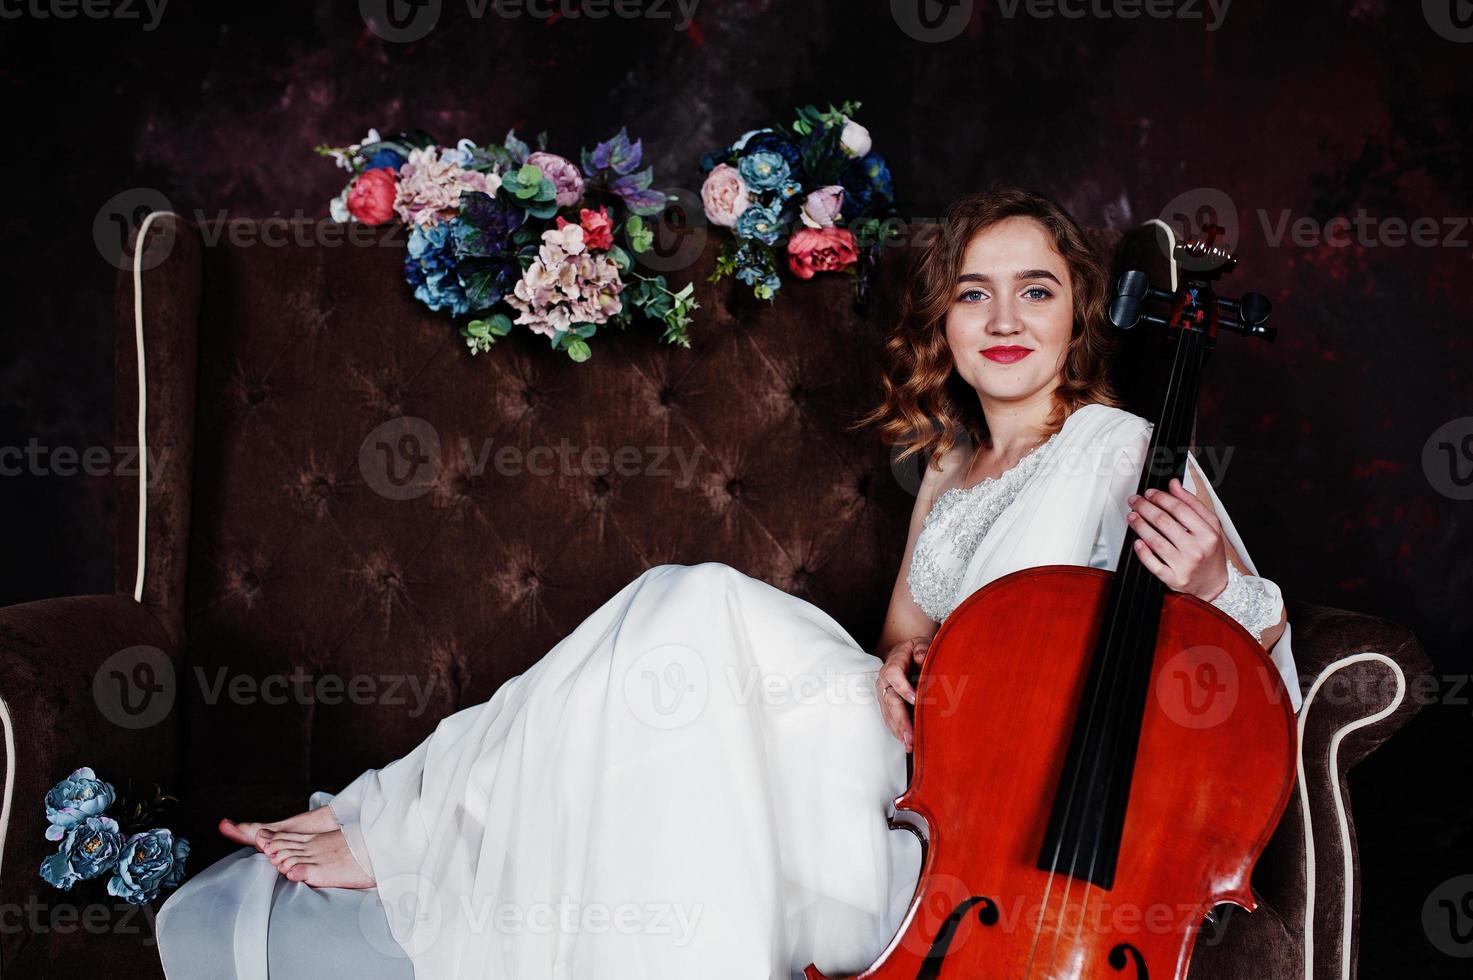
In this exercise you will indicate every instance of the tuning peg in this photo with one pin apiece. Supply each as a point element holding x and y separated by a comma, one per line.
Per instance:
<point>1125,308</point>
<point>1131,290</point>
<point>1254,308</point>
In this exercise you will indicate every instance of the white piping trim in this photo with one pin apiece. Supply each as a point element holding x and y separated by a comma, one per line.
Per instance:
<point>10,762</point>
<point>1348,902</point>
<point>1170,251</point>
<point>142,399</point>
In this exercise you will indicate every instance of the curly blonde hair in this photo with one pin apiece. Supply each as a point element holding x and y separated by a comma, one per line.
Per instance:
<point>927,405</point>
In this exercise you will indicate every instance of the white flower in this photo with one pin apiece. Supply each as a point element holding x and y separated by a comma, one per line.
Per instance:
<point>349,157</point>
<point>856,139</point>
<point>337,209</point>
<point>460,155</point>
<point>742,143</point>
<point>569,238</point>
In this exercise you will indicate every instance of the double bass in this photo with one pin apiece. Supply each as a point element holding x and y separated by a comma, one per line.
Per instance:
<point>1098,761</point>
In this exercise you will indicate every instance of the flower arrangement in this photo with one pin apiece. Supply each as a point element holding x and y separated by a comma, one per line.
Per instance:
<point>812,190</point>
<point>506,235</point>
<point>142,861</point>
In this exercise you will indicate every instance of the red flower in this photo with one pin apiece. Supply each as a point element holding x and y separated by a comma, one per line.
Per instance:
<point>814,250</point>
<point>371,198</point>
<point>598,228</point>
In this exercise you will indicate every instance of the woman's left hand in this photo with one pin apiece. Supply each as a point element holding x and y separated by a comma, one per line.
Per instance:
<point>1179,540</point>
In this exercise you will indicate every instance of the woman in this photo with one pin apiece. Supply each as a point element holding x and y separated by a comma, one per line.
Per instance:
<point>697,780</point>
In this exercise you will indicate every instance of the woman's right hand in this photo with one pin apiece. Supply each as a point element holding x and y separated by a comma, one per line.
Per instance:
<point>893,687</point>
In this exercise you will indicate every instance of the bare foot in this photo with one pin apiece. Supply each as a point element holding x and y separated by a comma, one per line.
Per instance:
<point>315,821</point>
<point>322,860</point>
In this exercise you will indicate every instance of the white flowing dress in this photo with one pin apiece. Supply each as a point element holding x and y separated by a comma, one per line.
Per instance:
<point>695,782</point>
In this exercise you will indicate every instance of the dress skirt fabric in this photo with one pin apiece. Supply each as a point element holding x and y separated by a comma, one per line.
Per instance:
<point>695,782</point>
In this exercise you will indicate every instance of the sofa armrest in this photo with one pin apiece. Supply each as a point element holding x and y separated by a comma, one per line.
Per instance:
<point>1359,675</point>
<point>84,681</point>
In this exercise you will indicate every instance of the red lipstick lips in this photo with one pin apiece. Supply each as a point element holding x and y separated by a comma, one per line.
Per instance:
<point>1007,353</point>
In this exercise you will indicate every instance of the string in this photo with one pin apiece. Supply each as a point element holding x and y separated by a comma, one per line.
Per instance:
<point>1178,407</point>
<point>1172,409</point>
<point>1172,419</point>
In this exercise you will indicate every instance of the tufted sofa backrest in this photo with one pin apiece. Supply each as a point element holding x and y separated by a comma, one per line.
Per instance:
<point>368,528</point>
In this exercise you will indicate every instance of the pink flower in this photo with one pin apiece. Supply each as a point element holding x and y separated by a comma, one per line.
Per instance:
<point>814,250</point>
<point>598,228</point>
<point>566,284</point>
<point>371,196</point>
<point>724,196</point>
<point>430,187</point>
<point>823,206</point>
<point>563,174</point>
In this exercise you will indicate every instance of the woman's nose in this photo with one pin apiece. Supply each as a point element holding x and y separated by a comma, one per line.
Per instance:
<point>1002,321</point>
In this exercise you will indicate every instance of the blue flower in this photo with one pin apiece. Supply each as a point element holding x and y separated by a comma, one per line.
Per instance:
<point>791,189</point>
<point>867,183</point>
<point>878,172</point>
<point>91,847</point>
<point>766,141</point>
<point>77,796</point>
<point>754,276</point>
<point>764,171</point>
<point>760,223</point>
<point>385,156</point>
<point>152,860</point>
<point>754,267</point>
<point>430,268</point>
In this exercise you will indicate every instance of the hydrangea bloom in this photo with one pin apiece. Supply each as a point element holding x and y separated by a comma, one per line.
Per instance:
<point>566,284</point>
<point>430,185</point>
<point>430,268</point>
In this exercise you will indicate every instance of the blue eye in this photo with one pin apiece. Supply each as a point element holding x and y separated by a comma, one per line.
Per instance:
<point>977,293</point>
<point>1043,293</point>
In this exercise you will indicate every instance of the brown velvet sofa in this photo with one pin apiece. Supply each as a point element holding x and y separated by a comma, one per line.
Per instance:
<point>277,542</point>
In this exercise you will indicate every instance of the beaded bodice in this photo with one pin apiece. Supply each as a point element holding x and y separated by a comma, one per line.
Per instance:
<point>953,528</point>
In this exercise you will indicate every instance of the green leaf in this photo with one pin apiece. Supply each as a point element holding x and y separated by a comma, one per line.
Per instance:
<point>640,237</point>
<point>620,258</point>
<point>585,329</point>
<point>579,350</point>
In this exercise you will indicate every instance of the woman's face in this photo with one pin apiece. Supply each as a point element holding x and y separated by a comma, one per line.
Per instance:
<point>1013,292</point>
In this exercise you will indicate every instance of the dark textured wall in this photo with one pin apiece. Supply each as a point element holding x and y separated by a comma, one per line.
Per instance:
<point>1300,112</point>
